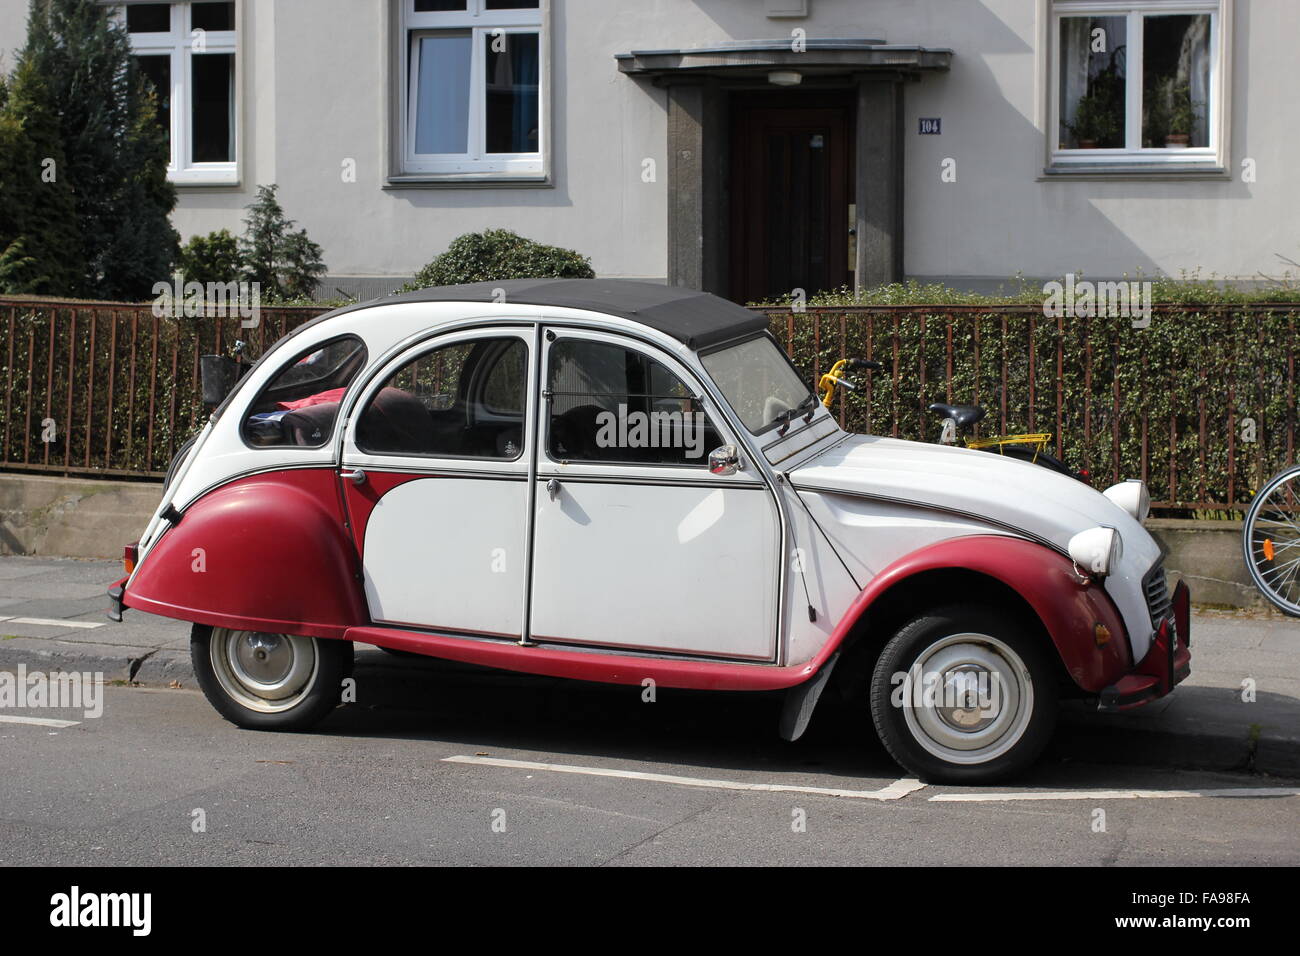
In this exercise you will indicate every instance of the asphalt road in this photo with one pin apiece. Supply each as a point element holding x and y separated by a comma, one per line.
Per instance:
<point>374,785</point>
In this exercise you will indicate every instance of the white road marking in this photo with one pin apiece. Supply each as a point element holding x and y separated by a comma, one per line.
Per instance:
<point>50,622</point>
<point>38,721</point>
<point>895,791</point>
<point>1114,795</point>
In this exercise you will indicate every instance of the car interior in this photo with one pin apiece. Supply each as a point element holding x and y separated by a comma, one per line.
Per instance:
<point>613,404</point>
<point>300,404</point>
<point>461,400</point>
<point>467,399</point>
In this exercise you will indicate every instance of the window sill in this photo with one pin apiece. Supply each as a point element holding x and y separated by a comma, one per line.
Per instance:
<point>1144,172</point>
<point>204,178</point>
<point>469,181</point>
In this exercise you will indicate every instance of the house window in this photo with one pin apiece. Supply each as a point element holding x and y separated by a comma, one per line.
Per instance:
<point>187,51</point>
<point>1138,84</point>
<point>473,88</point>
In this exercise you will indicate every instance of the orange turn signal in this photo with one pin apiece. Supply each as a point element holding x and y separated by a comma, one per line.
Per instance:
<point>129,555</point>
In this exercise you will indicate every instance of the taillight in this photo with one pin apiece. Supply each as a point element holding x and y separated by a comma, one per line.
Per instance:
<point>130,554</point>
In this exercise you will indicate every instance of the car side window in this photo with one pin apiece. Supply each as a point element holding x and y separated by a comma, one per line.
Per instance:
<point>464,400</point>
<point>617,405</point>
<point>300,404</point>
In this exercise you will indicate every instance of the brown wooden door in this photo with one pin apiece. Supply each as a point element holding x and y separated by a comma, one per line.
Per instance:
<point>791,162</point>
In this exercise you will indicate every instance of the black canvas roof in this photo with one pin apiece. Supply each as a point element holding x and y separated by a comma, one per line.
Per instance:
<point>697,319</point>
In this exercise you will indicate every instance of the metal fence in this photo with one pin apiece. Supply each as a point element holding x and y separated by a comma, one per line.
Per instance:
<point>110,388</point>
<point>1200,403</point>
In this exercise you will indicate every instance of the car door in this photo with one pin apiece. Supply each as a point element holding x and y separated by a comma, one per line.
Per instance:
<point>435,475</point>
<point>636,544</point>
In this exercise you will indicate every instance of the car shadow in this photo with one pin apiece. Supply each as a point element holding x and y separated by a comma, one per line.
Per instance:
<point>564,721</point>
<point>428,699</point>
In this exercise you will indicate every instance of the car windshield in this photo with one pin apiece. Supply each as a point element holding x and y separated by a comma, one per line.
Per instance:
<point>759,382</point>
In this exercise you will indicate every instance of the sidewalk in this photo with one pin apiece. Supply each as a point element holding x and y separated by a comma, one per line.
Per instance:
<point>52,618</point>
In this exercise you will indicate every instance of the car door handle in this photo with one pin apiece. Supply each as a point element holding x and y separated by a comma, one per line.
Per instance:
<point>357,476</point>
<point>553,488</point>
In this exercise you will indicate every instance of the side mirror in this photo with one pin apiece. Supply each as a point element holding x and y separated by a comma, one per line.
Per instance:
<point>724,460</point>
<point>218,375</point>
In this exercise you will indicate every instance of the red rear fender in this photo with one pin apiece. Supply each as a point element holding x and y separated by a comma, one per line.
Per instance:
<point>269,552</point>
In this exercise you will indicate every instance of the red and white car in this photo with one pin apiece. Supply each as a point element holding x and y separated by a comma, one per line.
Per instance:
<point>630,483</point>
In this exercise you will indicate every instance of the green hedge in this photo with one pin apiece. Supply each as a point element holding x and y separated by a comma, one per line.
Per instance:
<point>1208,360</point>
<point>1196,370</point>
<point>131,398</point>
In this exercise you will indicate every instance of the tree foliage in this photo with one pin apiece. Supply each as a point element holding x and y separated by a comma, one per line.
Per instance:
<point>283,260</point>
<point>83,162</point>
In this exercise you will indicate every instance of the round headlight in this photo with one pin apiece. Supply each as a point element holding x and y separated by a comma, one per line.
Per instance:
<point>1132,496</point>
<point>1096,550</point>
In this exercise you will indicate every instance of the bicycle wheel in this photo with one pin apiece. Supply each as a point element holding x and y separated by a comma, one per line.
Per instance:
<point>1270,538</point>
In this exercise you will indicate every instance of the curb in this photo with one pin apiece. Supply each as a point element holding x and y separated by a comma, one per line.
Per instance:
<point>1103,738</point>
<point>141,665</point>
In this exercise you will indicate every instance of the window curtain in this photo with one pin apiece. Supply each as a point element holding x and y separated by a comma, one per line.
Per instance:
<point>1075,36</point>
<point>517,71</point>
<point>1194,70</point>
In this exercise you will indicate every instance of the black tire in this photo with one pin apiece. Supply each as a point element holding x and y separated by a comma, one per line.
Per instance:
<point>321,664</point>
<point>962,744</point>
<point>177,459</point>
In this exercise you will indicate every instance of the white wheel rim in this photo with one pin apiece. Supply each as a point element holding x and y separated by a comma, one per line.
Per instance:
<point>979,701</point>
<point>268,673</point>
<point>1274,515</point>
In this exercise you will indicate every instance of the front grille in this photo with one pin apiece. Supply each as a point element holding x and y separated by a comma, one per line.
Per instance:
<point>1156,588</point>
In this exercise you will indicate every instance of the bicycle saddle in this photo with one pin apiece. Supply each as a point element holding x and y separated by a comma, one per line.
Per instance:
<point>963,415</point>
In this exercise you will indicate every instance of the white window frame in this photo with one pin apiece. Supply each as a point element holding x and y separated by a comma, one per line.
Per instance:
<point>1137,158</point>
<point>475,163</point>
<point>178,44</point>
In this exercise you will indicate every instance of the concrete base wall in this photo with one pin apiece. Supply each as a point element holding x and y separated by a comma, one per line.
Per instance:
<point>68,517</point>
<point>72,518</point>
<point>1207,554</point>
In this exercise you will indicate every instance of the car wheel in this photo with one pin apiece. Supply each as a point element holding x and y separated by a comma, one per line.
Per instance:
<point>269,681</point>
<point>964,695</point>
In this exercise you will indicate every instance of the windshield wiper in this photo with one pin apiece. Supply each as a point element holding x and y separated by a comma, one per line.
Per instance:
<point>784,418</point>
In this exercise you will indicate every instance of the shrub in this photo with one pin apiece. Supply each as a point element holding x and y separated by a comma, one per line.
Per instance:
<point>211,258</point>
<point>500,254</point>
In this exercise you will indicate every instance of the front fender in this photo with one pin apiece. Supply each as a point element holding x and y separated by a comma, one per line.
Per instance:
<point>269,552</point>
<point>1068,608</point>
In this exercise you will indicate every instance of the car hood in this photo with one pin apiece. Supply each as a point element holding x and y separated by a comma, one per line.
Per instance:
<point>1004,491</point>
<point>1014,495</point>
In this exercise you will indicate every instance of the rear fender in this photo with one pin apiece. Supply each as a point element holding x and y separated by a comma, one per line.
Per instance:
<point>269,552</point>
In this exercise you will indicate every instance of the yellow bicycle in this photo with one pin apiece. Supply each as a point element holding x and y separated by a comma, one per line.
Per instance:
<point>957,419</point>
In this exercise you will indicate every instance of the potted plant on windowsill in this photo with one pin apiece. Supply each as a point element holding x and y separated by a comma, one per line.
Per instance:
<point>1098,115</point>
<point>1094,122</point>
<point>1182,118</point>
